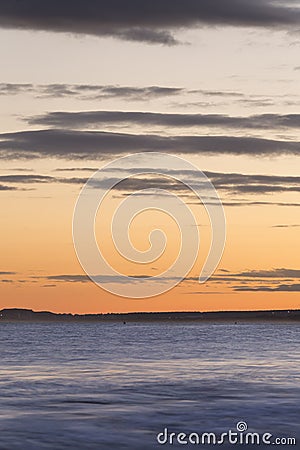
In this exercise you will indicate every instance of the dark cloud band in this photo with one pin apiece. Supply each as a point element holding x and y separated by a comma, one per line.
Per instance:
<point>97,118</point>
<point>144,21</point>
<point>98,145</point>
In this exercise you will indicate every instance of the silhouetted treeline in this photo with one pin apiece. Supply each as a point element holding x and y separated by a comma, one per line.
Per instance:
<point>27,315</point>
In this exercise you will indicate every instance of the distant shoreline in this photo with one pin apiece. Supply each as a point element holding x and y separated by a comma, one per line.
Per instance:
<point>28,315</point>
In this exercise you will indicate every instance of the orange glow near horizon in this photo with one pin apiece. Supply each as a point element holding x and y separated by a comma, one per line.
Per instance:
<point>38,246</point>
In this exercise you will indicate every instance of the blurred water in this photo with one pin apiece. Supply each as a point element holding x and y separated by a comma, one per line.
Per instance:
<point>101,386</point>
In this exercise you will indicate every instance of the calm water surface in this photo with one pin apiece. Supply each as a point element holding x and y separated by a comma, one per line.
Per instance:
<point>101,386</point>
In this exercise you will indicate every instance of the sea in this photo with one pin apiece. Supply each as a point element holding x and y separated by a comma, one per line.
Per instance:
<point>149,385</point>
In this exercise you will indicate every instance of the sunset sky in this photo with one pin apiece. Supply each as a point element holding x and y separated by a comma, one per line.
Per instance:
<point>216,82</point>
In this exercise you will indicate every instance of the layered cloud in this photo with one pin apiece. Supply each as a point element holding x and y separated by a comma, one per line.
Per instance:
<point>271,273</point>
<point>285,280</point>
<point>84,119</point>
<point>273,276</point>
<point>232,183</point>
<point>13,182</point>
<point>272,280</point>
<point>71,144</point>
<point>146,21</point>
<point>280,288</point>
<point>121,92</point>
<point>90,91</point>
<point>198,98</point>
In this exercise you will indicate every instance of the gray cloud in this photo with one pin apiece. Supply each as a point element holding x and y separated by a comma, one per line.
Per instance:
<point>244,183</point>
<point>236,204</point>
<point>98,144</point>
<point>280,288</point>
<point>107,91</point>
<point>258,276</point>
<point>107,278</point>
<point>76,169</point>
<point>252,276</point>
<point>272,273</point>
<point>32,179</point>
<point>25,178</point>
<point>233,183</point>
<point>264,278</point>
<point>297,225</point>
<point>229,182</point>
<point>15,88</point>
<point>90,91</point>
<point>18,169</point>
<point>247,203</point>
<point>69,278</point>
<point>3,187</point>
<point>99,118</point>
<point>152,22</point>
<point>128,280</point>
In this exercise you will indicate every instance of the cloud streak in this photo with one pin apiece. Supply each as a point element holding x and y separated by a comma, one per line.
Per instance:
<point>232,183</point>
<point>90,91</point>
<point>3,187</point>
<point>295,225</point>
<point>151,22</point>
<point>91,119</point>
<point>280,288</point>
<point>71,144</point>
<point>107,279</point>
<point>272,273</point>
<point>251,278</point>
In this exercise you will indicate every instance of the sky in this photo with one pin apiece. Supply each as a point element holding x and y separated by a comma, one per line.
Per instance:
<point>215,82</point>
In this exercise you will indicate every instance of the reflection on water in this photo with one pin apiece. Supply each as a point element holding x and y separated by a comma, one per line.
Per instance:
<point>100,386</point>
